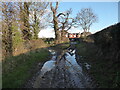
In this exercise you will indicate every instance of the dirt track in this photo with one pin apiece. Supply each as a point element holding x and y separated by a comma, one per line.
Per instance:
<point>63,75</point>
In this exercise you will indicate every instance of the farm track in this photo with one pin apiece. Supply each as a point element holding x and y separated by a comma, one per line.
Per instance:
<point>61,76</point>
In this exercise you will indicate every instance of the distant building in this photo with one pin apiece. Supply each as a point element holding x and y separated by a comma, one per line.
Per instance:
<point>78,35</point>
<point>73,35</point>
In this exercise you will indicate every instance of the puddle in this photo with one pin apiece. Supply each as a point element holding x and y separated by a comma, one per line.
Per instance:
<point>49,64</point>
<point>87,66</point>
<point>52,51</point>
<point>74,68</point>
<point>71,61</point>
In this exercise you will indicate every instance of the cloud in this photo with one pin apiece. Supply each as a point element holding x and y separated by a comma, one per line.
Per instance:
<point>75,30</point>
<point>46,33</point>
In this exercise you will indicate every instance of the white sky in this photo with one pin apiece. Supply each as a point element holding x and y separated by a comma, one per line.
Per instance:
<point>46,33</point>
<point>49,32</point>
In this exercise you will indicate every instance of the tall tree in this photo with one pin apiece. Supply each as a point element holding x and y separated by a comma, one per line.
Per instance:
<point>61,21</point>
<point>55,22</point>
<point>66,22</point>
<point>7,19</point>
<point>24,16</point>
<point>37,12</point>
<point>86,18</point>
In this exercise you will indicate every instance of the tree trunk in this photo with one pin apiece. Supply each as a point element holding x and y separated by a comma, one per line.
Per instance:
<point>9,48</point>
<point>25,20</point>
<point>35,26</point>
<point>7,18</point>
<point>62,35</point>
<point>57,33</point>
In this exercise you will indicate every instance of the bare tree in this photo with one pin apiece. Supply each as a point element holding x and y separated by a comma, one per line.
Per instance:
<point>55,21</point>
<point>61,22</point>
<point>65,23</point>
<point>86,18</point>
<point>37,11</point>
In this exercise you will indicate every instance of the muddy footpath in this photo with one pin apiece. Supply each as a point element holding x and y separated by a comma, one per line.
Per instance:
<point>62,71</point>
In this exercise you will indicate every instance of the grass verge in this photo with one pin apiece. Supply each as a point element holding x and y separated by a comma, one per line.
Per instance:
<point>16,69</point>
<point>104,71</point>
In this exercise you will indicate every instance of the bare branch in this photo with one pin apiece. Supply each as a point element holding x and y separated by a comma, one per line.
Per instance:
<point>56,6</point>
<point>60,14</point>
<point>86,18</point>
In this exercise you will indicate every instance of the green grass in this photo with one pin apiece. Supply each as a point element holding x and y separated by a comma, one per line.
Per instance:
<point>16,69</point>
<point>102,69</point>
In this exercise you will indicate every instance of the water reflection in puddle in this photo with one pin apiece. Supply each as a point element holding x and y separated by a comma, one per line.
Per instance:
<point>70,63</point>
<point>52,51</point>
<point>49,64</point>
<point>87,66</point>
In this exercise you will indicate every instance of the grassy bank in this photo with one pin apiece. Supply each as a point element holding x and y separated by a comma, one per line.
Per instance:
<point>17,69</point>
<point>104,71</point>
